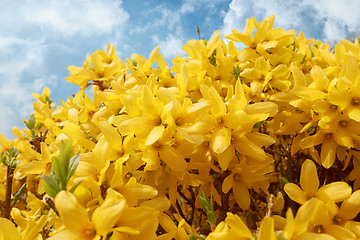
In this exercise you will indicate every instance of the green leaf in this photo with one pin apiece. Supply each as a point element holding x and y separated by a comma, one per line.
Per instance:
<point>3,158</point>
<point>61,165</point>
<point>31,122</point>
<point>73,164</point>
<point>50,186</point>
<point>211,215</point>
<point>39,125</point>
<point>205,202</point>
<point>60,170</point>
<point>258,124</point>
<point>213,58</point>
<point>283,181</point>
<point>65,152</point>
<point>18,194</point>
<point>208,207</point>
<point>236,72</point>
<point>13,152</point>
<point>75,186</point>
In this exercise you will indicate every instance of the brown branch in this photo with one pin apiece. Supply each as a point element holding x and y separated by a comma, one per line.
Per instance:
<point>9,181</point>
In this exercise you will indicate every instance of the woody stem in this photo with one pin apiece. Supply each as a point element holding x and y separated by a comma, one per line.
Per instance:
<point>9,180</point>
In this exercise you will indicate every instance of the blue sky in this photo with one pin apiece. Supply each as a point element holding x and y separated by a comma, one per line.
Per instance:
<point>40,39</point>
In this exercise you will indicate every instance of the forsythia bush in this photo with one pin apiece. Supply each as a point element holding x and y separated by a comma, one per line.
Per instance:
<point>256,142</point>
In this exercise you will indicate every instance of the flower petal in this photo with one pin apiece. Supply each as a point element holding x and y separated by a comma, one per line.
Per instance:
<point>155,134</point>
<point>241,194</point>
<point>339,232</point>
<point>72,213</point>
<point>225,157</point>
<point>309,180</point>
<point>267,229</point>
<point>220,139</point>
<point>328,152</point>
<point>295,193</point>
<point>227,183</point>
<point>351,206</point>
<point>9,230</point>
<point>105,216</point>
<point>354,113</point>
<point>238,226</point>
<point>336,191</point>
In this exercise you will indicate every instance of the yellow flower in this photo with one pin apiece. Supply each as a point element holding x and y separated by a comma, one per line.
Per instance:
<point>232,228</point>
<point>348,100</point>
<point>8,230</point>
<point>77,222</point>
<point>266,231</point>
<point>309,182</point>
<point>242,178</point>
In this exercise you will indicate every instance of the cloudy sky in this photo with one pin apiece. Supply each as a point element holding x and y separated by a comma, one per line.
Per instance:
<point>40,39</point>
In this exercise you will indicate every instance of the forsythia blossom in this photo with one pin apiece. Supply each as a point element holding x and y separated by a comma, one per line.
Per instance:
<point>194,150</point>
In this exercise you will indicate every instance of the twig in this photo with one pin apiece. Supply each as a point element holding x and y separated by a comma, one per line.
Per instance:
<point>9,181</point>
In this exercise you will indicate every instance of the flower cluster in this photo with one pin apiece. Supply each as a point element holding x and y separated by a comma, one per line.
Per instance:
<point>213,147</point>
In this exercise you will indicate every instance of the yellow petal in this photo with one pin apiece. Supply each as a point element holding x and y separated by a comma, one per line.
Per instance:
<point>173,158</point>
<point>262,107</point>
<point>35,167</point>
<point>220,139</point>
<point>340,232</point>
<point>155,134</point>
<point>299,76</point>
<point>73,116</point>
<point>319,77</point>
<point>267,229</point>
<point>354,113</point>
<point>9,230</point>
<point>34,227</point>
<point>309,180</point>
<point>225,157</point>
<point>97,64</point>
<point>354,227</point>
<point>238,226</point>
<point>65,234</point>
<point>72,213</point>
<point>305,214</point>
<point>219,107</point>
<point>290,226</point>
<point>336,191</point>
<point>190,136</point>
<point>160,203</point>
<point>343,137</point>
<point>238,36</point>
<point>73,131</point>
<point>134,190</point>
<point>341,99</point>
<point>111,135</point>
<point>315,236</point>
<point>140,126</point>
<point>351,206</point>
<point>150,105</point>
<point>105,216</point>
<point>246,147</point>
<point>241,194</point>
<point>295,193</point>
<point>309,93</point>
<point>328,152</point>
<point>260,139</point>
<point>312,140</point>
<point>227,183</point>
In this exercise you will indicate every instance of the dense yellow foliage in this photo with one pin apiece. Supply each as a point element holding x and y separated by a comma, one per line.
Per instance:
<point>260,141</point>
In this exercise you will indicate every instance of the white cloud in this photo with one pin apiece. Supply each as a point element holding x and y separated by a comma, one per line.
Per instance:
<point>170,47</point>
<point>329,20</point>
<point>84,17</point>
<point>34,31</point>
